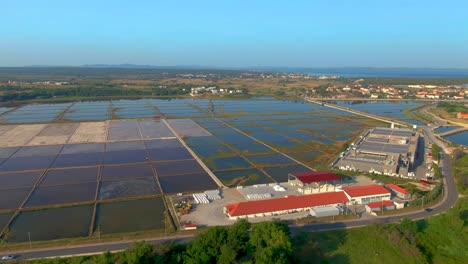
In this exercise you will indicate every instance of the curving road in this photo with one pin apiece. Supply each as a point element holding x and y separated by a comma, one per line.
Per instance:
<point>450,198</point>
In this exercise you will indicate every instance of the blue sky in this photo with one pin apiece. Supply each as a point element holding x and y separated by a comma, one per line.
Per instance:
<point>225,33</point>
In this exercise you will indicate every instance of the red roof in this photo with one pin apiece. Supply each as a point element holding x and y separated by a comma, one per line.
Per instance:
<point>425,182</point>
<point>365,190</point>
<point>286,203</point>
<point>315,176</point>
<point>397,188</point>
<point>380,204</point>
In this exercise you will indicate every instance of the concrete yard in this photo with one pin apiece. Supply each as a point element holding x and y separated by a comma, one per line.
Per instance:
<point>20,135</point>
<point>212,214</point>
<point>90,132</point>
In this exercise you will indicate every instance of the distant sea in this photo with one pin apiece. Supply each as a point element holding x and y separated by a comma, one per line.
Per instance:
<point>379,72</point>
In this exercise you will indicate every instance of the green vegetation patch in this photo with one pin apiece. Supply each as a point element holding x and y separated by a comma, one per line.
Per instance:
<point>242,177</point>
<point>461,174</point>
<point>371,244</point>
<point>453,107</point>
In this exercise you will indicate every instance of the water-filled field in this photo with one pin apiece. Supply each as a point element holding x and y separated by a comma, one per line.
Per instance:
<point>123,168</point>
<point>459,138</point>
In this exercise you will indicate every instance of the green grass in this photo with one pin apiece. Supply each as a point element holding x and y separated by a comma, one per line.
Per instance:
<point>370,244</point>
<point>444,238</point>
<point>461,174</point>
<point>453,107</point>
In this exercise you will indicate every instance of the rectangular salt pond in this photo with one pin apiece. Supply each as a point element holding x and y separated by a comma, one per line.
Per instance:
<point>5,109</point>
<point>228,163</point>
<point>70,176</point>
<point>27,163</point>
<point>122,172</point>
<point>76,160</point>
<point>31,151</point>
<point>20,135</point>
<point>187,183</point>
<point>178,167</point>
<point>62,194</point>
<point>391,109</point>
<point>82,148</point>
<point>128,188</point>
<point>280,174</point>
<point>14,180</point>
<point>202,141</point>
<point>4,218</point>
<point>13,198</point>
<point>251,148</point>
<point>122,157</point>
<point>212,151</point>
<point>123,130</point>
<point>271,160</point>
<point>169,154</point>
<point>5,153</point>
<point>53,130</point>
<point>125,145</point>
<point>163,143</point>
<point>242,177</point>
<point>307,156</point>
<point>89,132</point>
<point>154,129</point>
<point>187,128</point>
<point>51,224</point>
<point>133,216</point>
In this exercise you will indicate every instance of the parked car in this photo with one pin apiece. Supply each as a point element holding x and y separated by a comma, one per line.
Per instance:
<point>8,257</point>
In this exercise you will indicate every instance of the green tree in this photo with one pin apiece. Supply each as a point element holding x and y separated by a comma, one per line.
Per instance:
<point>271,243</point>
<point>141,252</point>
<point>238,236</point>
<point>104,258</point>
<point>170,253</point>
<point>408,229</point>
<point>206,247</point>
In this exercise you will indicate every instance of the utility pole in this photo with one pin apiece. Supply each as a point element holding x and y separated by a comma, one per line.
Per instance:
<point>382,207</point>
<point>29,236</point>
<point>422,205</point>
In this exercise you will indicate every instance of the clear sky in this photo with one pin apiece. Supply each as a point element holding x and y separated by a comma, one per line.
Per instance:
<point>225,33</point>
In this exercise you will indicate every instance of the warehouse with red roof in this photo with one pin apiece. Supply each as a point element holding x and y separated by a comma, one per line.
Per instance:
<point>367,193</point>
<point>279,206</point>
<point>314,181</point>
<point>398,191</point>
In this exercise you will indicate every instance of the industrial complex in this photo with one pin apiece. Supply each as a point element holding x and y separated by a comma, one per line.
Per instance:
<point>328,203</point>
<point>388,151</point>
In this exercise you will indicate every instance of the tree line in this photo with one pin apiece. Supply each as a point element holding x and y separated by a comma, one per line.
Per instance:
<point>12,94</point>
<point>266,242</point>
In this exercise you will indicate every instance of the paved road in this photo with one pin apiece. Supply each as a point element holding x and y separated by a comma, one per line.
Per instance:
<point>92,249</point>
<point>448,201</point>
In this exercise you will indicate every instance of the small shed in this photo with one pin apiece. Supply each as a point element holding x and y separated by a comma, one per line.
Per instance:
<point>324,211</point>
<point>378,206</point>
<point>398,191</point>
